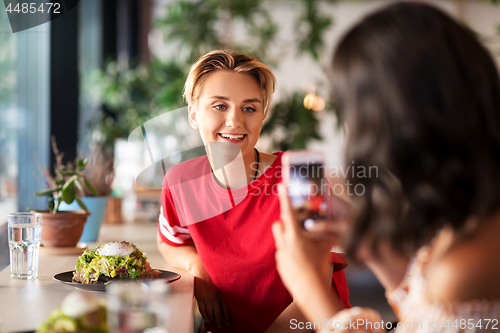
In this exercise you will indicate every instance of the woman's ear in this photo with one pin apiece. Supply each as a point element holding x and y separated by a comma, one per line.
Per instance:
<point>192,117</point>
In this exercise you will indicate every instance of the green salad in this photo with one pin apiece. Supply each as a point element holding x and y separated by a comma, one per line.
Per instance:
<point>59,322</point>
<point>91,265</point>
<point>79,313</point>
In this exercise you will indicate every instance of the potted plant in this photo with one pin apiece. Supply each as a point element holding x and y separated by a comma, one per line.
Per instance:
<point>64,228</point>
<point>99,171</point>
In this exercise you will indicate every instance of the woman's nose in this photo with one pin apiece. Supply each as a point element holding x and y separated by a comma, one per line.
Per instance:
<point>234,119</point>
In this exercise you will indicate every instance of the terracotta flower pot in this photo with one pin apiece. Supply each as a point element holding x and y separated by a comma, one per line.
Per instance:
<point>63,229</point>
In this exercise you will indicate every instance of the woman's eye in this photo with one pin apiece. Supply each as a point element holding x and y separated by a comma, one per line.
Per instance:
<point>220,107</point>
<point>249,109</point>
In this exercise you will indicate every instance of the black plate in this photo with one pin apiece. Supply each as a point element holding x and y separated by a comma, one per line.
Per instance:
<point>67,278</point>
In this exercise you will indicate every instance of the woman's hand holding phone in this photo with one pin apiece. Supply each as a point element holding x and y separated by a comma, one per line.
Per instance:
<point>303,261</point>
<point>316,208</point>
<point>296,250</point>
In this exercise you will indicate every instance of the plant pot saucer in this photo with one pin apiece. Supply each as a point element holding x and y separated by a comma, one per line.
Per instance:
<point>63,251</point>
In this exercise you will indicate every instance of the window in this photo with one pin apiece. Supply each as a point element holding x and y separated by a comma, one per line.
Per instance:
<point>8,146</point>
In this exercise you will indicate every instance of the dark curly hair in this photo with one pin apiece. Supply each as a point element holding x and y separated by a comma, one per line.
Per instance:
<point>421,100</point>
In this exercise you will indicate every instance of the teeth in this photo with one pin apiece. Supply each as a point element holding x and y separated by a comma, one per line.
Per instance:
<point>232,137</point>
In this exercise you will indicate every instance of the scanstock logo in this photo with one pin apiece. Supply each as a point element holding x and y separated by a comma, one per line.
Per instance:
<point>30,13</point>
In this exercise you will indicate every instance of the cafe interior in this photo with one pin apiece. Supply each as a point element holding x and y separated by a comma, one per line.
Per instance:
<point>103,82</point>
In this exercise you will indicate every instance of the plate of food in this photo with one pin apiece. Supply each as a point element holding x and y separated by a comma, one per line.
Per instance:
<point>117,260</point>
<point>79,312</point>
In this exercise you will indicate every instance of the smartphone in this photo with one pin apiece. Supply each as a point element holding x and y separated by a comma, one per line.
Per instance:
<point>304,176</point>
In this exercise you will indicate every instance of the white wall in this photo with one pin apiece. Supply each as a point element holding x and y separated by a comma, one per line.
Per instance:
<point>296,72</point>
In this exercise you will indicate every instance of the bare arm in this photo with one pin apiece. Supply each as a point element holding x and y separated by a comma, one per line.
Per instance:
<point>183,257</point>
<point>327,305</point>
<point>283,322</point>
<point>210,303</point>
<point>303,264</point>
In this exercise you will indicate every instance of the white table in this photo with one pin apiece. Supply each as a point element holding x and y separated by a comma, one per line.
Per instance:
<point>24,304</point>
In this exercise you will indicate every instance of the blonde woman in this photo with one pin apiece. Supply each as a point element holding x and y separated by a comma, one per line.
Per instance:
<point>217,210</point>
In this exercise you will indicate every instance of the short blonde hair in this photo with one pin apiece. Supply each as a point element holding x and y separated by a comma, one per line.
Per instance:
<point>236,62</point>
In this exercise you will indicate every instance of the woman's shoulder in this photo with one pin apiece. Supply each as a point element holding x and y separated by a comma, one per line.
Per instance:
<point>269,160</point>
<point>470,269</point>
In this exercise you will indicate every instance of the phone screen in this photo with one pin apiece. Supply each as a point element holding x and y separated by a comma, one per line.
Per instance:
<point>307,189</point>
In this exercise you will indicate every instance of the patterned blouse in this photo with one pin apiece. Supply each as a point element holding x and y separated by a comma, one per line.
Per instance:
<point>419,312</point>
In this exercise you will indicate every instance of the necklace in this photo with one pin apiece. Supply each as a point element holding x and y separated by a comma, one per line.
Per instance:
<point>258,162</point>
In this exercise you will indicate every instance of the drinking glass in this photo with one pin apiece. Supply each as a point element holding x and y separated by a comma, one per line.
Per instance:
<point>137,307</point>
<point>24,231</point>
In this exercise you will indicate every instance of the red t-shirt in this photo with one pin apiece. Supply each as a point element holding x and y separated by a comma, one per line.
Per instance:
<point>232,234</point>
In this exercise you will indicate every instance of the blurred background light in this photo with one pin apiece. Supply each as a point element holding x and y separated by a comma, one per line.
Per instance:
<point>314,102</point>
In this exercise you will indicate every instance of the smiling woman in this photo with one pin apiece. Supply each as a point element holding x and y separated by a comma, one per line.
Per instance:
<point>229,96</point>
<point>224,203</point>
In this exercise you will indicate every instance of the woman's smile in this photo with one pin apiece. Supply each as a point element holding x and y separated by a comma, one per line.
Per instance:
<point>231,137</point>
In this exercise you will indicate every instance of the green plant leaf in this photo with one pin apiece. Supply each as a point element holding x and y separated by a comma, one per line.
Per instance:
<point>59,181</point>
<point>55,208</point>
<point>89,186</point>
<point>48,191</point>
<point>65,173</point>
<point>79,185</point>
<point>80,164</point>
<point>65,168</point>
<point>68,191</point>
<point>80,202</point>
<point>311,28</point>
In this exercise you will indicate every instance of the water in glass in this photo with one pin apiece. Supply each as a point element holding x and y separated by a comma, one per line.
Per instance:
<point>24,246</point>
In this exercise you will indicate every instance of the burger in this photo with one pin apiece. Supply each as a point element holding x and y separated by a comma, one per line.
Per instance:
<point>114,260</point>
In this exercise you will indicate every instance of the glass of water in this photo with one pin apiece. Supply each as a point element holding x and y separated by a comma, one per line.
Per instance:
<point>25,231</point>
